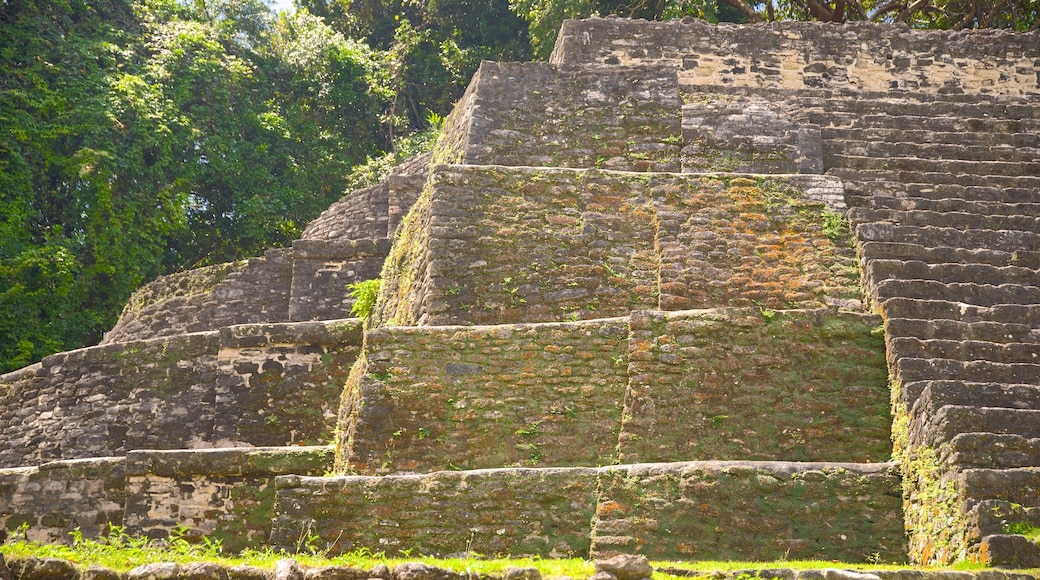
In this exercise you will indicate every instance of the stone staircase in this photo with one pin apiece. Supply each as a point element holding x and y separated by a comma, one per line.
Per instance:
<point>630,311</point>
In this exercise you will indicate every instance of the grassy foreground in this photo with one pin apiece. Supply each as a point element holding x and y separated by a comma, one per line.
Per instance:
<point>121,552</point>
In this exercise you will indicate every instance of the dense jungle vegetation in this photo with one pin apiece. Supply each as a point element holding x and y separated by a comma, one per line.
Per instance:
<point>143,137</point>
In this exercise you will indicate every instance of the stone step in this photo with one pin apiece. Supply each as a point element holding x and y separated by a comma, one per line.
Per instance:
<point>992,451</point>
<point>965,350</point>
<point>931,309</point>
<point>952,329</point>
<point>951,420</point>
<point>1000,525</point>
<point>996,516</point>
<point>966,292</point>
<point>1009,241</point>
<point>944,254</point>
<point>1019,485</point>
<point>905,134</point>
<point>918,105</point>
<point>947,166</point>
<point>1022,187</point>
<point>932,121</point>
<point>667,511</point>
<point>903,147</point>
<point>1003,200</point>
<point>949,273</point>
<point>862,102</point>
<point>912,369</point>
<point>947,219</point>
<point>937,394</point>
<point>904,202</point>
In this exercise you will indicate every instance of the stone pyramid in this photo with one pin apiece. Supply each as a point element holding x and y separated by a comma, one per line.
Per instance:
<point>687,291</point>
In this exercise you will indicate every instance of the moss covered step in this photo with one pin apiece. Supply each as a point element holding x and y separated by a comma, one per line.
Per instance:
<point>932,151</point>
<point>948,203</point>
<point>911,369</point>
<point>937,394</point>
<point>950,219</point>
<point>690,510</point>
<point>1019,485</point>
<point>905,134</point>
<point>949,166</point>
<point>930,122</point>
<point>1000,240</point>
<point>967,350</point>
<point>945,254</point>
<point>952,420</point>
<point>992,451</point>
<point>966,292</point>
<point>948,273</point>
<point>1020,188</point>
<point>912,309</point>
<point>997,200</point>
<point>945,329</point>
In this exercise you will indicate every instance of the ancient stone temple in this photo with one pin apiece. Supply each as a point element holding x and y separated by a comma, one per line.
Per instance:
<point>687,291</point>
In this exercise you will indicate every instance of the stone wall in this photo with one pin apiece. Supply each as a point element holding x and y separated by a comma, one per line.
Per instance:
<point>322,270</point>
<point>750,511</point>
<point>757,511</point>
<point>222,494</point>
<point>359,215</point>
<point>492,511</point>
<point>610,118</point>
<point>58,497</point>
<point>503,245</point>
<point>246,292</point>
<point>694,385</point>
<point>273,384</point>
<point>796,55</point>
<point>776,385</point>
<point>372,212</point>
<point>476,397</point>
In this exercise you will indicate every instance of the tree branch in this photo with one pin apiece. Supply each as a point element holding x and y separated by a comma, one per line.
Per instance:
<point>819,11</point>
<point>745,9</point>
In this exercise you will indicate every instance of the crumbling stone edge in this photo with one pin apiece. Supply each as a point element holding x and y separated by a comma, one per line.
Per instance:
<point>622,567</point>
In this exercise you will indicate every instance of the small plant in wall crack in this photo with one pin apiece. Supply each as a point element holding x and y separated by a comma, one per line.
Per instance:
<point>364,295</point>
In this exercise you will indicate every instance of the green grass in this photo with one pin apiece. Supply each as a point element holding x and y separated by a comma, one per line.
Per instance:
<point>121,552</point>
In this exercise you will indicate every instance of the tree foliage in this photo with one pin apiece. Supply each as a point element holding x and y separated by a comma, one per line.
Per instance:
<point>138,138</point>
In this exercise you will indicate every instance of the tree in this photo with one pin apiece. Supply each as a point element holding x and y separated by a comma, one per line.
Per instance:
<point>139,138</point>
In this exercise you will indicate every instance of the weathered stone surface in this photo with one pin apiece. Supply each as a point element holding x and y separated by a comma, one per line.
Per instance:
<point>59,497</point>
<point>43,569</point>
<point>287,569</point>
<point>513,573</point>
<point>95,572</point>
<point>612,118</point>
<point>249,573</point>
<point>589,244</point>
<point>434,398</point>
<point>626,567</point>
<point>246,292</point>
<point>858,56</point>
<point>700,510</point>
<point>223,494</point>
<point>787,385</point>
<point>336,573</point>
<point>275,384</point>
<point>419,571</point>
<point>1010,551</point>
<point>155,571</point>
<point>497,511</point>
